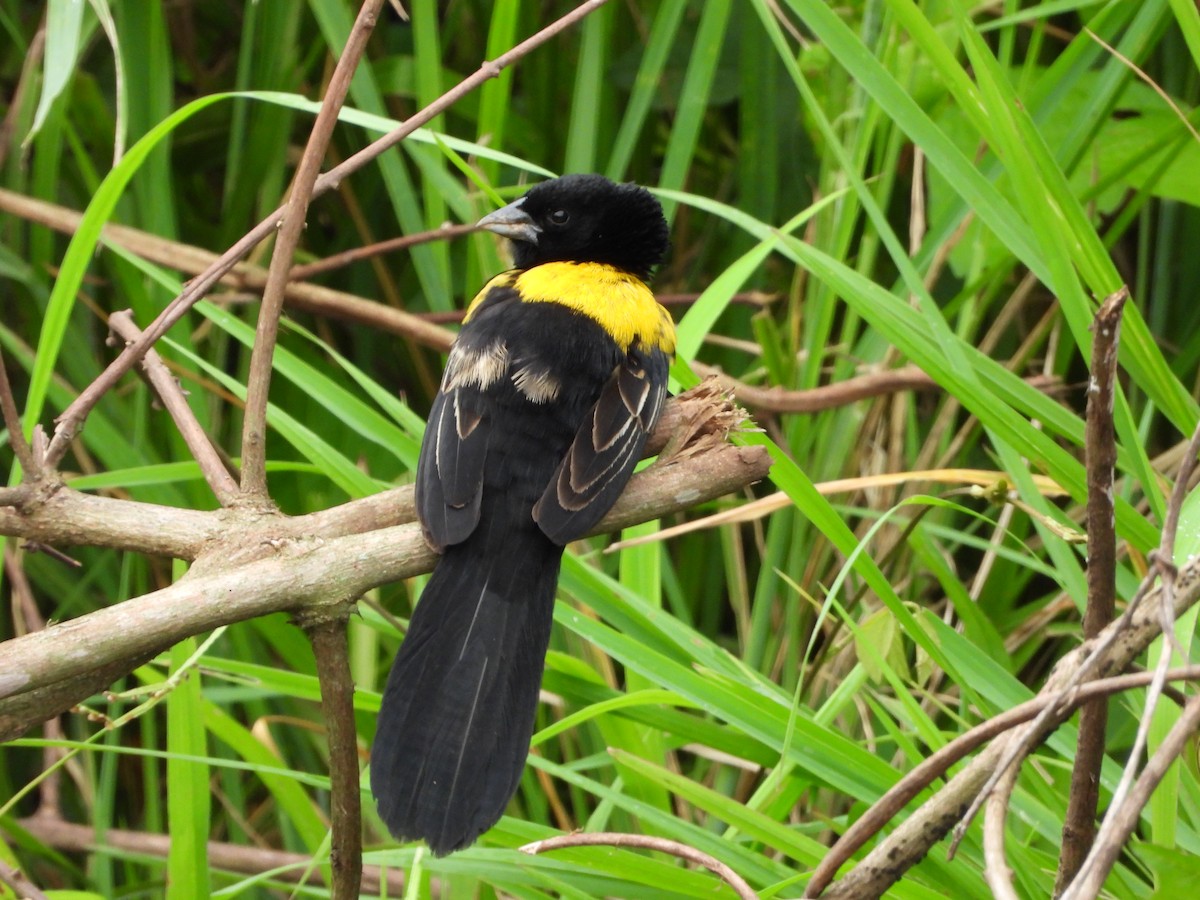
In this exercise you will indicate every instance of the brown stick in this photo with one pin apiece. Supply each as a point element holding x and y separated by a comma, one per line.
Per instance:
<point>356,254</point>
<point>1079,826</point>
<point>62,835</point>
<point>1165,568</point>
<point>842,393</point>
<point>327,633</point>
<point>1106,852</point>
<point>50,513</point>
<point>72,418</point>
<point>21,886</point>
<point>12,422</point>
<point>1119,644</point>
<point>258,382</point>
<point>646,842</point>
<point>934,767</point>
<point>192,260</point>
<point>212,467</point>
<point>995,864</point>
<point>42,674</point>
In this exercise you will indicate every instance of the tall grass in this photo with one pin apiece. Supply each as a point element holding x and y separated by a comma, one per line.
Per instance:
<point>946,184</point>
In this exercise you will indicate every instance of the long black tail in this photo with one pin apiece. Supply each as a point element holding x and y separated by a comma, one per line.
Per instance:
<point>459,705</point>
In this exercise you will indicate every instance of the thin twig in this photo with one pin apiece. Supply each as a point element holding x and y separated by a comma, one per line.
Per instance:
<point>12,422</point>
<point>284,866</point>
<point>243,276</point>
<point>995,863</point>
<point>1122,642</point>
<point>646,842</point>
<point>1079,825</point>
<point>328,637</point>
<point>938,764</point>
<point>1111,843</point>
<point>31,70</point>
<point>842,393</point>
<point>212,467</point>
<point>21,886</point>
<point>258,381</point>
<point>28,618</point>
<point>379,248</point>
<point>1154,85</point>
<point>71,420</point>
<point>983,482</point>
<point>1165,567</point>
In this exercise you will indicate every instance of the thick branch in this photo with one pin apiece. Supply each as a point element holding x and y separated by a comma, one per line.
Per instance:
<point>299,573</point>
<point>16,881</point>
<point>56,515</point>
<point>50,513</point>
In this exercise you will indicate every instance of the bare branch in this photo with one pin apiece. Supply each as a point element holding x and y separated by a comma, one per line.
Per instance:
<point>646,842</point>
<point>1111,844</point>
<point>842,393</point>
<point>52,514</point>
<point>327,633</point>
<point>1119,644</point>
<point>1165,567</point>
<point>1079,826</point>
<point>284,866</point>
<point>297,572</point>
<point>241,276</point>
<point>171,394</point>
<point>995,869</point>
<point>21,886</point>
<point>72,418</point>
<point>258,382</point>
<point>356,254</point>
<point>938,764</point>
<point>12,422</point>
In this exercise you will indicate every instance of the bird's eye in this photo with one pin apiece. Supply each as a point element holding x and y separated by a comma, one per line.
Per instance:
<point>559,217</point>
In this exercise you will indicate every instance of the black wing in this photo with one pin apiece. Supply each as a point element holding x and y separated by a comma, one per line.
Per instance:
<point>606,448</point>
<point>450,467</point>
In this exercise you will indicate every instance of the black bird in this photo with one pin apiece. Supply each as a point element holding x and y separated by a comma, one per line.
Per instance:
<point>550,390</point>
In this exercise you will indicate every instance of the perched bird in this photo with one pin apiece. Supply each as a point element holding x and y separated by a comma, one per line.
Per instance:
<point>550,390</point>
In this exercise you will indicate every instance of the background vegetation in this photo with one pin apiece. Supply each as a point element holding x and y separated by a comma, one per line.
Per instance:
<point>852,189</point>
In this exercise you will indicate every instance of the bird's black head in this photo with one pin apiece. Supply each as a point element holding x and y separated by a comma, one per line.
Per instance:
<point>584,218</point>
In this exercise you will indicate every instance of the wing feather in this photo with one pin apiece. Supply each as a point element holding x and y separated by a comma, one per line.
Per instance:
<point>606,448</point>
<point>450,467</point>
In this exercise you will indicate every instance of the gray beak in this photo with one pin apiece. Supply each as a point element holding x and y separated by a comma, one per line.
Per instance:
<point>511,222</point>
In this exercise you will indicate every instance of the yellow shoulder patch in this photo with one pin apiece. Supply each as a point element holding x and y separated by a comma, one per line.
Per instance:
<point>620,303</point>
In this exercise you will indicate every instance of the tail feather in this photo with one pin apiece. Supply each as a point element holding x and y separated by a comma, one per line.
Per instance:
<point>460,701</point>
